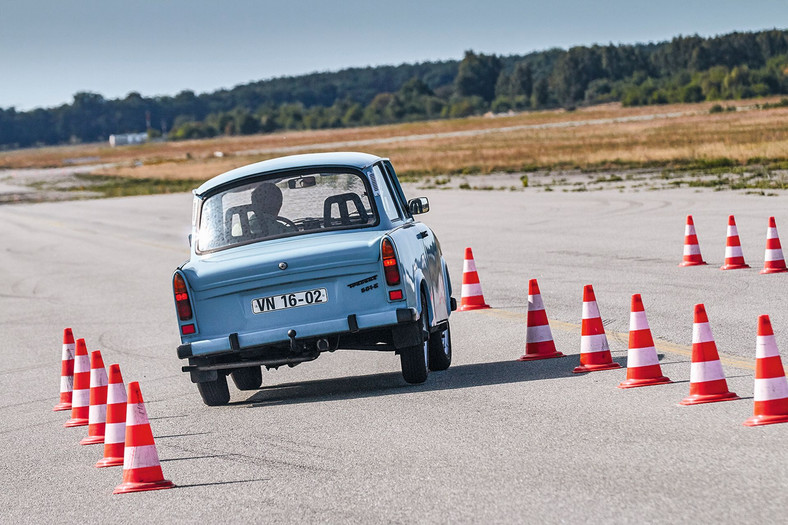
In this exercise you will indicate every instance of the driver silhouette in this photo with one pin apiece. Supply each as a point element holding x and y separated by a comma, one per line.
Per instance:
<point>266,203</point>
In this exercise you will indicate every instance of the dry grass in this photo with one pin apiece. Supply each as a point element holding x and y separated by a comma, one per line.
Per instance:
<point>695,136</point>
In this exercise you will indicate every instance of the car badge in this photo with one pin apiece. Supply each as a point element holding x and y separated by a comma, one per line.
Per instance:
<point>283,265</point>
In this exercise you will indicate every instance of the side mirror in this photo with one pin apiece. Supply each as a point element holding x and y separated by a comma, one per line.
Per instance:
<point>419,205</point>
<point>301,182</point>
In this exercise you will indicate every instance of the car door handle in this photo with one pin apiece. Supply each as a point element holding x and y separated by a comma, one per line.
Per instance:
<point>423,234</point>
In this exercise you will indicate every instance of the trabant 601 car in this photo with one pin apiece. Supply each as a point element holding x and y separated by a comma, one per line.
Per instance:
<point>306,254</point>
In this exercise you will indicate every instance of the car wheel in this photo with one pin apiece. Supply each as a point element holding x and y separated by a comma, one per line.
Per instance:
<point>440,350</point>
<point>215,393</point>
<point>414,359</point>
<point>249,378</point>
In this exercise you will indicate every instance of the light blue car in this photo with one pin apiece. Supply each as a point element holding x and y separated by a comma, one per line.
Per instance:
<point>301,255</point>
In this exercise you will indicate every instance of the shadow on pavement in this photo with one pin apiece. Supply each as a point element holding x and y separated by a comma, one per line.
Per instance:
<point>461,376</point>
<point>182,435</point>
<point>220,483</point>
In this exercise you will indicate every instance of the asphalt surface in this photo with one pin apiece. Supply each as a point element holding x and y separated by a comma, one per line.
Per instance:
<point>345,439</point>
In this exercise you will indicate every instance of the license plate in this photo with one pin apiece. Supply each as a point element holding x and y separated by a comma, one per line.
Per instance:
<point>289,300</point>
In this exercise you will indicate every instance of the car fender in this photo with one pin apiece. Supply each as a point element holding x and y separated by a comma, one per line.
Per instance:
<point>419,285</point>
<point>447,282</point>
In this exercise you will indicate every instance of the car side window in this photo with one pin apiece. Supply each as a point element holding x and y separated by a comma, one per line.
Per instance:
<point>397,189</point>
<point>389,206</point>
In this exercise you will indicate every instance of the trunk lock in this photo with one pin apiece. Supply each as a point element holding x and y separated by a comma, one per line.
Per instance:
<point>283,265</point>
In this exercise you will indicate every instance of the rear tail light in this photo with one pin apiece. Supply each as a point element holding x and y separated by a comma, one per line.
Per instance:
<point>390,266</point>
<point>182,303</point>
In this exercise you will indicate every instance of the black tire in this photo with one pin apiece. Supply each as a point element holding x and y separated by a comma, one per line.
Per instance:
<point>440,350</point>
<point>249,378</point>
<point>414,359</point>
<point>215,393</point>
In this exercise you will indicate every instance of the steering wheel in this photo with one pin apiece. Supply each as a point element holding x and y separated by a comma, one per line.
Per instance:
<point>286,222</point>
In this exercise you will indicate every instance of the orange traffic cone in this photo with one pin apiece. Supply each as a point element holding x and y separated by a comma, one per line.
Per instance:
<point>692,256</point>
<point>66,371</point>
<point>472,297</point>
<point>594,350</point>
<point>734,258</point>
<point>141,467</point>
<point>773,261</point>
<point>80,399</point>
<point>97,414</point>
<point>115,429</point>
<point>642,361</point>
<point>771,386</point>
<point>707,379</point>
<point>538,337</point>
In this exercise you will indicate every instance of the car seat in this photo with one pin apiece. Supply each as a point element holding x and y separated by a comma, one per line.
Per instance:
<point>344,216</point>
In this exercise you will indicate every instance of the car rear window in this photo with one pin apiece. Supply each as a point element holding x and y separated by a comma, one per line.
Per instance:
<point>284,206</point>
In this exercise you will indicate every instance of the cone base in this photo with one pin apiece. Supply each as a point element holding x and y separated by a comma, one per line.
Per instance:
<point>109,462</point>
<point>756,421</point>
<point>533,357</point>
<point>473,307</point>
<point>595,368</point>
<point>634,383</point>
<point>692,263</point>
<point>132,486</point>
<point>773,270</point>
<point>76,422</point>
<point>92,440</point>
<point>61,406</point>
<point>734,266</point>
<point>708,398</point>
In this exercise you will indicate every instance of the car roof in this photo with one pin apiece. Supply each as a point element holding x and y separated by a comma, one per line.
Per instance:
<point>308,160</point>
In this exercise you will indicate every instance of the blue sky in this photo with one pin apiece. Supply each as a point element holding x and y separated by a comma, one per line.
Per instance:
<point>51,49</point>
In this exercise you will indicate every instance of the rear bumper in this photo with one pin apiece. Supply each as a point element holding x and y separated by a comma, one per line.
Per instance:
<point>237,342</point>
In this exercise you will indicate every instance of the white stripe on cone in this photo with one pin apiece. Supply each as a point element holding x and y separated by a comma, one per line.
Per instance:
<point>81,364</point>
<point>97,413</point>
<point>66,383</point>
<point>468,266</point>
<point>706,371</point>
<point>471,290</point>
<point>771,233</point>
<point>116,393</point>
<point>590,310</point>
<point>691,249</point>
<point>538,334</point>
<point>701,333</point>
<point>637,357</point>
<point>771,388</point>
<point>98,377</point>
<point>593,343</point>
<point>68,351</point>
<point>638,321</point>
<point>136,414</point>
<point>140,457</point>
<point>732,231</point>
<point>766,346</point>
<point>114,433</point>
<point>535,302</point>
<point>774,255</point>
<point>733,251</point>
<point>80,398</point>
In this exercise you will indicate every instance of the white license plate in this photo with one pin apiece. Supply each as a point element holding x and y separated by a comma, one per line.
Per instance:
<point>289,300</point>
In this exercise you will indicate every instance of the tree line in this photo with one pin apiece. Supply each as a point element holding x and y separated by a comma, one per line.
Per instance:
<point>685,69</point>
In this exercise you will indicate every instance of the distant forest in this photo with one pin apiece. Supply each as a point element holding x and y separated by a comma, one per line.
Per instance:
<point>686,69</point>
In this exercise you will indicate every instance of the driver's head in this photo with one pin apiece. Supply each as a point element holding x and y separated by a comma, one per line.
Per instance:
<point>267,198</point>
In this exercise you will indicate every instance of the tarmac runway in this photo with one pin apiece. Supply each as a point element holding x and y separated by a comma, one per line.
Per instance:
<point>345,439</point>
